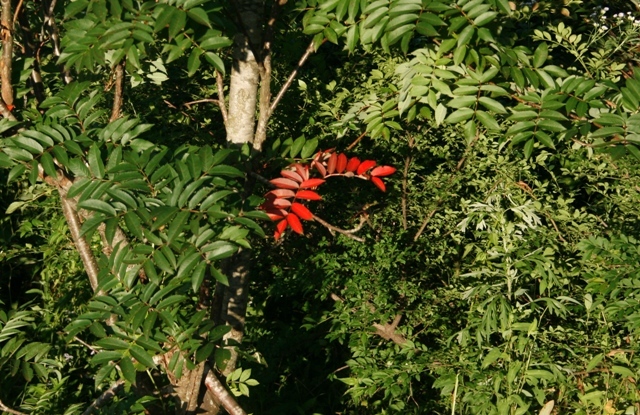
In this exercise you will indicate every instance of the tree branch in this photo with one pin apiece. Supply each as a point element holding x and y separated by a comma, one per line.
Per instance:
<point>105,397</point>
<point>349,233</point>
<point>292,76</point>
<point>118,96</point>
<point>221,393</point>
<point>5,408</point>
<point>221,103</point>
<point>388,331</point>
<point>7,53</point>
<point>50,21</point>
<point>405,174</point>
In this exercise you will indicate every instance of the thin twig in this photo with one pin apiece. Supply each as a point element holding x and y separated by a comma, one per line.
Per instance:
<point>201,101</point>
<point>16,12</point>
<point>105,397</point>
<point>426,221</point>
<point>292,76</point>
<point>5,408</point>
<point>405,174</point>
<point>348,233</point>
<point>356,141</point>
<point>221,101</point>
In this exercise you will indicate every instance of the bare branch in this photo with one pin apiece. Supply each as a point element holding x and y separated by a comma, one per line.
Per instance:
<point>7,53</point>
<point>356,141</point>
<point>118,96</point>
<point>105,397</point>
<point>221,102</point>
<point>5,408</point>
<point>50,21</point>
<point>6,113</point>
<point>16,13</point>
<point>405,174</point>
<point>388,331</point>
<point>201,101</point>
<point>426,221</point>
<point>348,233</point>
<point>70,211</point>
<point>221,393</point>
<point>292,76</point>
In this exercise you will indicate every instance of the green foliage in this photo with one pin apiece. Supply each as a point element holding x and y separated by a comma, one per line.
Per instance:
<point>499,275</point>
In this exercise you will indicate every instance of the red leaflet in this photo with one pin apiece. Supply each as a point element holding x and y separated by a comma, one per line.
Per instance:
<point>289,174</point>
<point>382,171</point>
<point>275,214</point>
<point>342,163</point>
<point>320,168</point>
<point>331,163</point>
<point>364,166</point>
<point>284,183</point>
<point>311,183</point>
<point>308,195</point>
<point>379,183</point>
<point>280,193</point>
<point>353,164</point>
<point>281,203</point>
<point>303,171</point>
<point>280,227</point>
<point>302,211</point>
<point>294,222</point>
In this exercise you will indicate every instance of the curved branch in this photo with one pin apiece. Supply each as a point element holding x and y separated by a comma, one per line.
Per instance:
<point>105,397</point>
<point>5,408</point>
<point>349,233</point>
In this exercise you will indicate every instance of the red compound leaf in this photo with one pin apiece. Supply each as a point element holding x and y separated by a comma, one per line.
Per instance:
<point>289,174</point>
<point>301,210</point>
<point>283,183</point>
<point>331,163</point>
<point>353,164</point>
<point>280,193</point>
<point>294,222</point>
<point>379,183</point>
<point>341,163</point>
<point>382,171</point>
<point>311,183</point>
<point>364,166</point>
<point>308,195</point>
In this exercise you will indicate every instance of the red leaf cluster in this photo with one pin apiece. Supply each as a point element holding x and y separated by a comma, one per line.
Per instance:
<point>295,185</point>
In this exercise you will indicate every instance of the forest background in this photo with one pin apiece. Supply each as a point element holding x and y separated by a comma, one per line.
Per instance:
<point>146,146</point>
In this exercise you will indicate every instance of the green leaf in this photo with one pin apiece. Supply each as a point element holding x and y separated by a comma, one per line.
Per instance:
<point>48,165</point>
<point>460,115</point>
<point>224,170</point>
<point>297,146</point>
<point>492,105</point>
<point>199,15</point>
<point>105,357</point>
<point>142,356</point>
<point>193,63</point>
<point>540,55</point>
<point>112,343</point>
<point>97,206</point>
<point>95,162</point>
<point>216,42</point>
<point>177,226</point>
<point>128,370</point>
<point>485,18</point>
<point>309,148</point>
